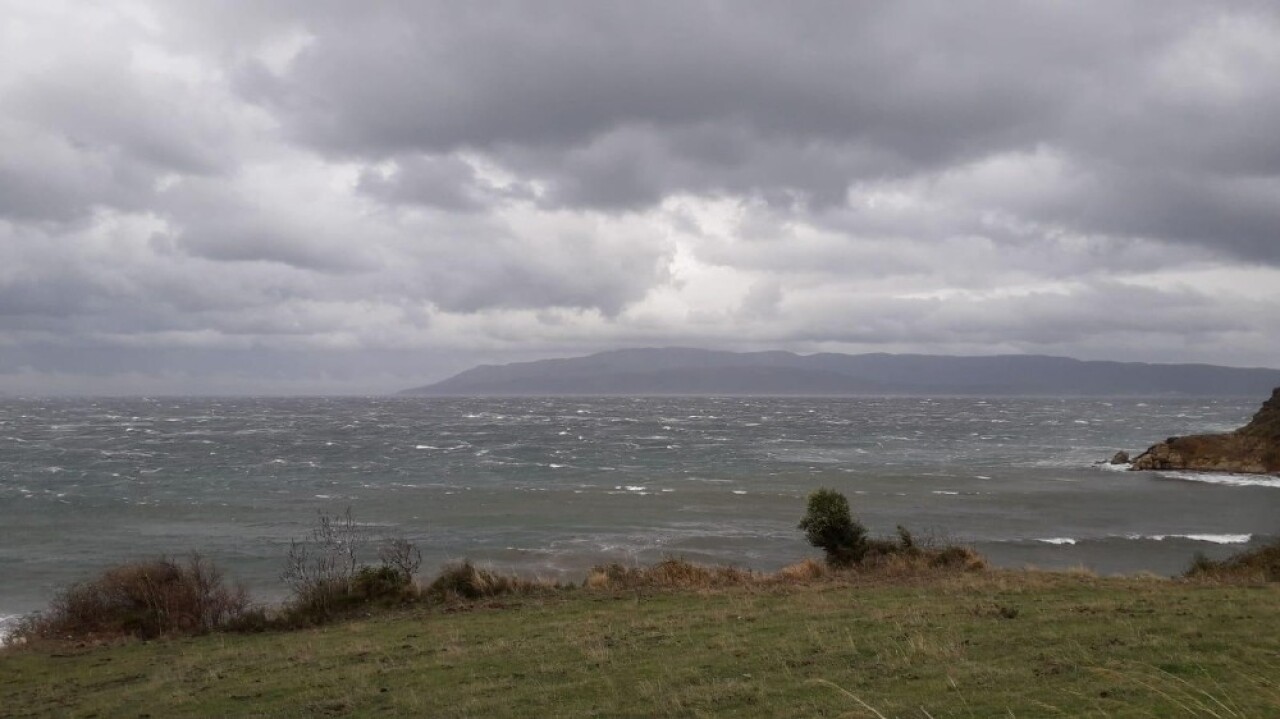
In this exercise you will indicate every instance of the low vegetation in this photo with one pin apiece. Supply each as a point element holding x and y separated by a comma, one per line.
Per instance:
<point>159,597</point>
<point>883,627</point>
<point>329,578</point>
<point>466,582</point>
<point>1254,565</point>
<point>937,644</point>
<point>829,525</point>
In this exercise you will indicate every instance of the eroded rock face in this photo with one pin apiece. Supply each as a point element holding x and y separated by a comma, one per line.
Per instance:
<point>1266,423</point>
<point>1253,449</point>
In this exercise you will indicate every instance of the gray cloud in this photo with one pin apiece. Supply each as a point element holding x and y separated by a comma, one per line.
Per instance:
<point>615,107</point>
<point>444,182</point>
<point>508,180</point>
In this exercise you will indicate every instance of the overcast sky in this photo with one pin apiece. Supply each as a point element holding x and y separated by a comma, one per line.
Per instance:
<point>315,196</point>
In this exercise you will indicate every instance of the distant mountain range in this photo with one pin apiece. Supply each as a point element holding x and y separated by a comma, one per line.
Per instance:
<point>684,371</point>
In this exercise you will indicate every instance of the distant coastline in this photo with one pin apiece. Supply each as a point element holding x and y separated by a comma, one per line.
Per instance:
<point>675,371</point>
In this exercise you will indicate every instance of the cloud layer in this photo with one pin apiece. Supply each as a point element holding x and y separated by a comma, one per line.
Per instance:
<point>325,196</point>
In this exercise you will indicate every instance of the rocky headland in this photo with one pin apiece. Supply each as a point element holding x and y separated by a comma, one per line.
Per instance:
<point>1252,449</point>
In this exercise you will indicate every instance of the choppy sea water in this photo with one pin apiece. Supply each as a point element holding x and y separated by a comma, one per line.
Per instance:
<point>551,486</point>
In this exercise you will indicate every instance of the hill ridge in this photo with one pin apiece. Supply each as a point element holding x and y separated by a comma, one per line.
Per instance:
<point>695,371</point>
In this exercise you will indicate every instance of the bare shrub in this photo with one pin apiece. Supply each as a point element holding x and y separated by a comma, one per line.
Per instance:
<point>327,576</point>
<point>401,556</point>
<point>319,572</point>
<point>151,598</point>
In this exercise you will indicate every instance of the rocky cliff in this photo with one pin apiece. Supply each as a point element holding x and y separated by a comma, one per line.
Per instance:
<point>1254,448</point>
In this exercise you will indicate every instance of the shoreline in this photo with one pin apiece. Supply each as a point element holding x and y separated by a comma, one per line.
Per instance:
<point>1183,546</point>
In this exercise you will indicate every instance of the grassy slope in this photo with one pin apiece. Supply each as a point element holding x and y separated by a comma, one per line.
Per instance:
<point>980,645</point>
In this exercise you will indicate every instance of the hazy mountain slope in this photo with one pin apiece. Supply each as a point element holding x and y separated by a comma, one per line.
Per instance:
<point>667,371</point>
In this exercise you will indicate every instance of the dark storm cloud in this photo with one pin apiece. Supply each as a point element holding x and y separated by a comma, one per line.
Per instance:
<point>490,74</point>
<point>617,106</point>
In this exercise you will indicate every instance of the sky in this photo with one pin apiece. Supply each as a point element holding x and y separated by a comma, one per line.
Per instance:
<point>312,196</point>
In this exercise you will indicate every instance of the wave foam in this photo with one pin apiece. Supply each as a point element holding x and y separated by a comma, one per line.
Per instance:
<point>1214,538</point>
<point>1231,480</point>
<point>1114,467</point>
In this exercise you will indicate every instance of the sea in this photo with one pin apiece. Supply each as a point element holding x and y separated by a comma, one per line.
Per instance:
<point>551,486</point>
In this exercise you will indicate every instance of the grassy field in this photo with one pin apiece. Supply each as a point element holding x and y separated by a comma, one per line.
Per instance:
<point>980,644</point>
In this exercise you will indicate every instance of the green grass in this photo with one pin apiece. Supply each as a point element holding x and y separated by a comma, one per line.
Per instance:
<point>985,644</point>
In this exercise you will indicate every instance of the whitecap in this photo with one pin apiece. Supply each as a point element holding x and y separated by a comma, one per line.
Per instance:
<point>424,446</point>
<point>1221,538</point>
<point>1058,540</point>
<point>1213,538</point>
<point>944,491</point>
<point>1109,467</point>
<point>1230,480</point>
<point>739,491</point>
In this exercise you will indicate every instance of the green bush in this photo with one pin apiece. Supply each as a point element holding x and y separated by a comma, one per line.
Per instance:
<point>382,583</point>
<point>906,540</point>
<point>829,526</point>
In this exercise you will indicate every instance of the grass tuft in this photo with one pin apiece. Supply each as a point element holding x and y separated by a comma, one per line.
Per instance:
<point>670,573</point>
<point>465,581</point>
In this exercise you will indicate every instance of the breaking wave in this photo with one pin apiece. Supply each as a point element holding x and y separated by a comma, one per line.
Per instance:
<point>1211,538</point>
<point>1232,480</point>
